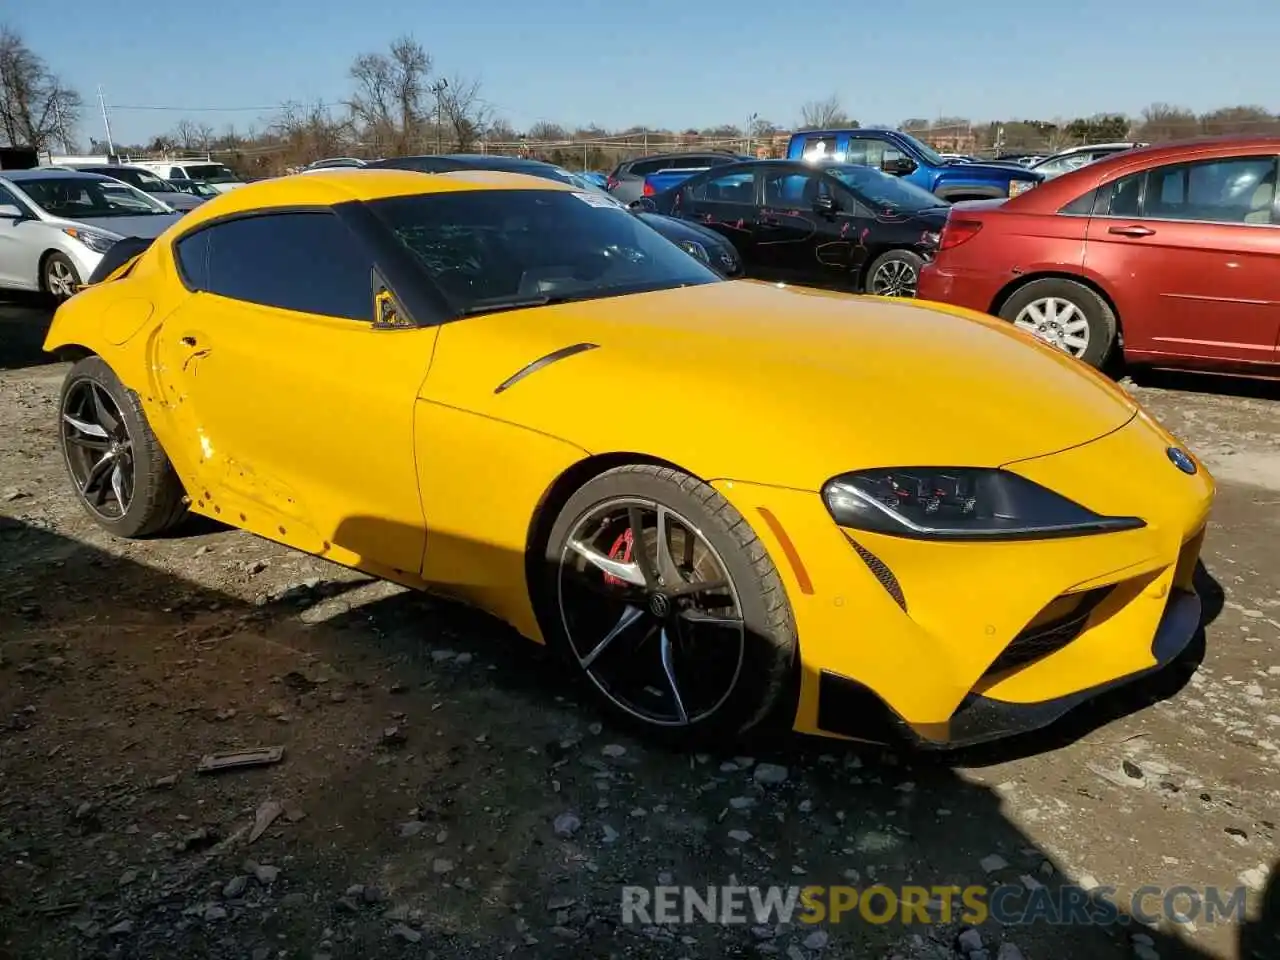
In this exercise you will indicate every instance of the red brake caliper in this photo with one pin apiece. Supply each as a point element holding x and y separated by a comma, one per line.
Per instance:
<point>620,551</point>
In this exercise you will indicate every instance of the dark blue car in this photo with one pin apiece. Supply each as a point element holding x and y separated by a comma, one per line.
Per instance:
<point>904,156</point>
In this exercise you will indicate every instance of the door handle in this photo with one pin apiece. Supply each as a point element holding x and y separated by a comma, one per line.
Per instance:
<point>1132,231</point>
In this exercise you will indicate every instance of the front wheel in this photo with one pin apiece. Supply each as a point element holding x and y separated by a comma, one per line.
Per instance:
<point>659,594</point>
<point>1066,314</point>
<point>121,475</point>
<point>59,277</point>
<point>894,274</point>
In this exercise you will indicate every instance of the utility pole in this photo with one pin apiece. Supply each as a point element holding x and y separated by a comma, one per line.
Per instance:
<point>751,126</point>
<point>438,88</point>
<point>106,122</point>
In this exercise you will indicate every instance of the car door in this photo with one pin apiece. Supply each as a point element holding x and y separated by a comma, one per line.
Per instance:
<point>23,240</point>
<point>725,202</point>
<point>300,407</point>
<point>808,229</point>
<point>1191,253</point>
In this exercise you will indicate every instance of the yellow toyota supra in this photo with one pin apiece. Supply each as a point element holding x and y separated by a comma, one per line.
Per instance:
<point>722,501</point>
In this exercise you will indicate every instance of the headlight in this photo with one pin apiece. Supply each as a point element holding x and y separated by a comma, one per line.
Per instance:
<point>1017,187</point>
<point>959,503</point>
<point>97,242</point>
<point>695,250</point>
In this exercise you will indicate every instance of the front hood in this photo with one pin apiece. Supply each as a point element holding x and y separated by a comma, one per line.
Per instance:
<point>180,201</point>
<point>147,227</point>
<point>992,171</point>
<point>788,386</point>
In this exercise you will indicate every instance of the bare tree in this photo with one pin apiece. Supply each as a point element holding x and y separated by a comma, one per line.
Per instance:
<point>1163,121</point>
<point>824,114</point>
<point>500,131</point>
<point>309,132</point>
<point>389,92</point>
<point>190,135</point>
<point>546,131</point>
<point>463,113</point>
<point>36,109</point>
<point>1242,119</point>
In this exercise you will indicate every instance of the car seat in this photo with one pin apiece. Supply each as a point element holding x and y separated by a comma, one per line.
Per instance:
<point>1262,203</point>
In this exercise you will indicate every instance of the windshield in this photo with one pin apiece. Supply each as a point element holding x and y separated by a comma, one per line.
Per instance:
<point>881,191</point>
<point>490,250</point>
<point>193,187</point>
<point>75,198</point>
<point>144,180</point>
<point>931,156</point>
<point>210,173</point>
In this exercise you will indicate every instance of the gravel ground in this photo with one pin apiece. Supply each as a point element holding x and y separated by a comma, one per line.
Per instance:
<point>445,792</point>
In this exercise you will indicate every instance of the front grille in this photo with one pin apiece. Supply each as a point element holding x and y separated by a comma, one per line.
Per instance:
<point>881,572</point>
<point>1042,639</point>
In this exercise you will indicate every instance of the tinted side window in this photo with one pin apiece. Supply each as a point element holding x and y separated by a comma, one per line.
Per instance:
<point>1235,190</point>
<point>308,262</point>
<point>1124,196</point>
<point>1081,206</point>
<point>737,187</point>
<point>871,152</point>
<point>192,254</point>
<point>642,168</point>
<point>786,188</point>
<point>7,197</point>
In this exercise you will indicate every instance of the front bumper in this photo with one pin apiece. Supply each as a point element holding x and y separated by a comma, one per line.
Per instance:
<point>954,643</point>
<point>843,704</point>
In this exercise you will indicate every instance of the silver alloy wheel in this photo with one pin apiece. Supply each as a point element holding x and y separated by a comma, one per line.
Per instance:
<point>1058,321</point>
<point>662,638</point>
<point>98,449</point>
<point>894,278</point>
<point>60,279</point>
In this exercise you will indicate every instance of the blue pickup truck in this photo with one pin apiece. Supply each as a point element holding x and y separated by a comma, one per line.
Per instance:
<point>903,155</point>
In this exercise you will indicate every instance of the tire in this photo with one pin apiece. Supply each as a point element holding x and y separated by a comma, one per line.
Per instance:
<point>59,278</point>
<point>576,620</point>
<point>133,492</point>
<point>1045,298</point>
<point>896,269</point>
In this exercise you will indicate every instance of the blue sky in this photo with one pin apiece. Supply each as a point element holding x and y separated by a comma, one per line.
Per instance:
<point>677,64</point>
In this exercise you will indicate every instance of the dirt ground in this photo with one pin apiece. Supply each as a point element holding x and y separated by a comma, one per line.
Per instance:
<point>430,758</point>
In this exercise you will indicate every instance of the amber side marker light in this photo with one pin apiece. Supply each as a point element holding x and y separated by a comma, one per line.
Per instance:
<point>788,548</point>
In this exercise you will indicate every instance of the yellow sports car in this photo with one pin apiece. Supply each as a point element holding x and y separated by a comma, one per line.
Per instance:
<point>723,502</point>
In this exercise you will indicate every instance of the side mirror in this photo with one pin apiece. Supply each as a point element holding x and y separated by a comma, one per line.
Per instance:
<point>824,203</point>
<point>387,314</point>
<point>9,211</point>
<point>899,167</point>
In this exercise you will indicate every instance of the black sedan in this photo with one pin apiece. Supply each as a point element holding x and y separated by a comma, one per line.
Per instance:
<point>842,226</point>
<point>696,240</point>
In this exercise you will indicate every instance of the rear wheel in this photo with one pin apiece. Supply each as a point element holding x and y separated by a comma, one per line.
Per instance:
<point>59,278</point>
<point>659,594</point>
<point>1066,314</point>
<point>121,475</point>
<point>894,274</point>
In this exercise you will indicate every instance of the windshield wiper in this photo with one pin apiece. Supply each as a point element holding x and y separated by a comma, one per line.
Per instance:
<point>518,303</point>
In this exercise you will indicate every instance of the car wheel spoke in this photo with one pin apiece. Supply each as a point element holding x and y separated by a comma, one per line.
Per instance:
<point>627,572</point>
<point>97,473</point>
<point>668,668</point>
<point>85,429</point>
<point>630,616</point>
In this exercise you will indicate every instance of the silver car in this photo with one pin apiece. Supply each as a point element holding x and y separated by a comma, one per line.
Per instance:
<point>56,224</point>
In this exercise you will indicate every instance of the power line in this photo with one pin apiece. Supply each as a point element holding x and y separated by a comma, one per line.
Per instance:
<point>174,109</point>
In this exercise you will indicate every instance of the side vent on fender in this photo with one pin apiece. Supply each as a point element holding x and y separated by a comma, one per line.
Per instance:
<point>881,571</point>
<point>544,361</point>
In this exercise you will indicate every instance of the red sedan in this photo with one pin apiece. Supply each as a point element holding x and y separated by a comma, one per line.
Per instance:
<point>1170,252</point>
